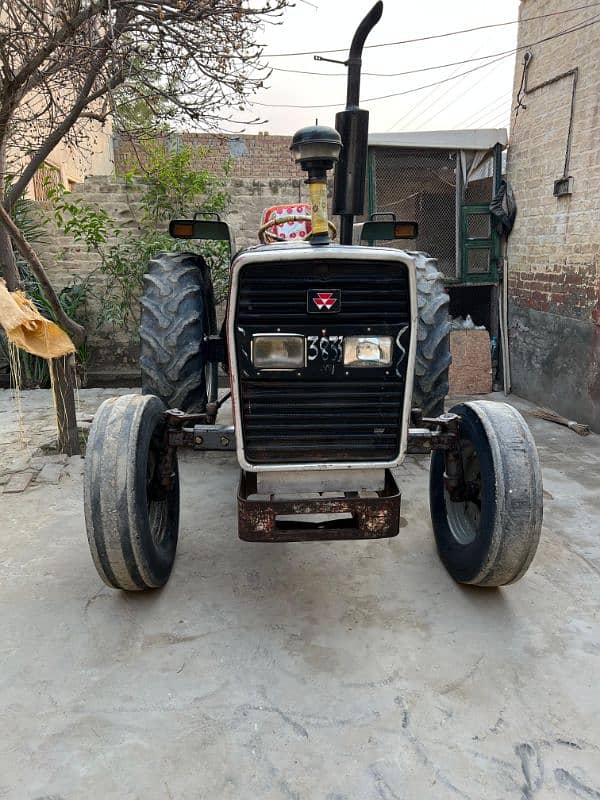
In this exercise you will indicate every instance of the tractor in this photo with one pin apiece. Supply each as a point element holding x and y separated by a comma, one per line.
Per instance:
<point>337,357</point>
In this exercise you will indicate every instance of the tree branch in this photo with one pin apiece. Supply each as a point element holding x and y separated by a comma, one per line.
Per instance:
<point>54,138</point>
<point>76,331</point>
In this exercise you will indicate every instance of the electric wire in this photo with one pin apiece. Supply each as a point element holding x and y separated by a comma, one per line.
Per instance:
<point>582,26</point>
<point>484,120</point>
<point>474,116</point>
<point>419,69</point>
<point>438,35</point>
<point>394,74</point>
<point>495,119</point>
<point>381,97</point>
<point>434,96</point>
<point>469,88</point>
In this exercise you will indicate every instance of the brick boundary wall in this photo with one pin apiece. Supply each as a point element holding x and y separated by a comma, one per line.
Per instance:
<point>113,352</point>
<point>251,156</point>
<point>554,249</point>
<point>574,293</point>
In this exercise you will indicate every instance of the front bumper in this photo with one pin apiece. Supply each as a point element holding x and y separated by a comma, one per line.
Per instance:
<point>367,517</point>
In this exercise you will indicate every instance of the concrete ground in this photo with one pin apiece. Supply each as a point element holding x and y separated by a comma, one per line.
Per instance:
<point>297,671</point>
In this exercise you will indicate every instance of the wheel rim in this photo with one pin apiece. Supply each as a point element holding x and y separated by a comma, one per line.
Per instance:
<point>157,500</point>
<point>464,517</point>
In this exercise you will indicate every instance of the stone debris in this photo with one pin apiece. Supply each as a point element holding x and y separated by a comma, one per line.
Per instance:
<point>34,450</point>
<point>18,482</point>
<point>50,473</point>
<point>38,462</point>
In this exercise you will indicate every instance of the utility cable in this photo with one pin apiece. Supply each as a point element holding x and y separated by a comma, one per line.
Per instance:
<point>592,21</point>
<point>425,69</point>
<point>426,101</point>
<point>469,88</point>
<point>437,35</point>
<point>472,118</point>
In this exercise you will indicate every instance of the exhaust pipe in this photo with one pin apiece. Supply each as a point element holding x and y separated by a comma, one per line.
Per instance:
<point>353,126</point>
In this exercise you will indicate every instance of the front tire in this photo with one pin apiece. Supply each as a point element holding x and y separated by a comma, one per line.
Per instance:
<point>131,520</point>
<point>491,539</point>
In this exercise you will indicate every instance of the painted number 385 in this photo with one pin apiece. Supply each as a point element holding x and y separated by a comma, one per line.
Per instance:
<point>326,348</point>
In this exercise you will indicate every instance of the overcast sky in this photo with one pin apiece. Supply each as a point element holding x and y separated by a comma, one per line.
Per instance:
<point>479,99</point>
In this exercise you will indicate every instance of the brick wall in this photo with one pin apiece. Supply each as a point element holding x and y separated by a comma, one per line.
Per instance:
<point>251,156</point>
<point>554,249</point>
<point>112,350</point>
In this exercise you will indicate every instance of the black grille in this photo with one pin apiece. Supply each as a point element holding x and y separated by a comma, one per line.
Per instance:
<point>288,422</point>
<point>312,416</point>
<point>276,293</point>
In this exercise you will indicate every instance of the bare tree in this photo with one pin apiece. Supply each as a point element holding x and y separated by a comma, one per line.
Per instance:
<point>67,65</point>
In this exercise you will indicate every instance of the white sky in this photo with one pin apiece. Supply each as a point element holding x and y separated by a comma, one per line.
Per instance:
<point>480,99</point>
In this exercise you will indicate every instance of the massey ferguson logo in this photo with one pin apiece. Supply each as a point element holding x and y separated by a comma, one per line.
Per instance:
<point>328,302</point>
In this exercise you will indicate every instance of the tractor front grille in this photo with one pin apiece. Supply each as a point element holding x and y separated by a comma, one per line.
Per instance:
<point>313,416</point>
<point>370,294</point>
<point>291,422</point>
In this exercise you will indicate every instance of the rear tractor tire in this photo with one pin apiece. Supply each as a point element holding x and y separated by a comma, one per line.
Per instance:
<point>491,539</point>
<point>131,519</point>
<point>177,313</point>
<point>430,383</point>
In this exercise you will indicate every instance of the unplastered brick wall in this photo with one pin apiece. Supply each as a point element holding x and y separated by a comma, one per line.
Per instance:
<point>250,156</point>
<point>113,351</point>
<point>262,172</point>
<point>570,291</point>
<point>262,175</point>
<point>554,249</point>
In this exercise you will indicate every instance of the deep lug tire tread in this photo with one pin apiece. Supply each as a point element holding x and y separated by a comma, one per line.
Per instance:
<point>176,300</point>
<point>430,383</point>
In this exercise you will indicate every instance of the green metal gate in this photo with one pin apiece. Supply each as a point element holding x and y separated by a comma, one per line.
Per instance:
<point>480,245</point>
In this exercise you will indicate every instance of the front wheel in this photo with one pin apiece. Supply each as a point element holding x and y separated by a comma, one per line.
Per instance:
<point>491,538</point>
<point>131,517</point>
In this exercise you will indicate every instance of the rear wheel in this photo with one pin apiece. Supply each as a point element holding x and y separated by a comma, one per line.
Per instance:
<point>177,313</point>
<point>131,519</point>
<point>490,539</point>
<point>430,385</point>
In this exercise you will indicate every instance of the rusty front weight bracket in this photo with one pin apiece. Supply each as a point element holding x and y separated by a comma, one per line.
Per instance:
<point>272,520</point>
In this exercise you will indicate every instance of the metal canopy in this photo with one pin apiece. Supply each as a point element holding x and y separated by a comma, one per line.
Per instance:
<point>478,139</point>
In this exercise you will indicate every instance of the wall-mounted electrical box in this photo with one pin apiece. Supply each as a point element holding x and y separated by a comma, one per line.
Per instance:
<point>563,187</point>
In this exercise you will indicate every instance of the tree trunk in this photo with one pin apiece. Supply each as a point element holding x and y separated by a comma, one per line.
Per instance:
<point>8,265</point>
<point>74,329</point>
<point>63,388</point>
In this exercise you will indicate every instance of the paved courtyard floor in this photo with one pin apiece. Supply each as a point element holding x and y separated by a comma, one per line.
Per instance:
<point>333,671</point>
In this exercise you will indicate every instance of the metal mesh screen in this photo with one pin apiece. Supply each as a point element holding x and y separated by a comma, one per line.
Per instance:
<point>479,226</point>
<point>478,260</point>
<point>420,186</point>
<point>479,191</point>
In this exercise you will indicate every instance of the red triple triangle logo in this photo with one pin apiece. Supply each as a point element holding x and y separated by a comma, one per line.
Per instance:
<point>324,300</point>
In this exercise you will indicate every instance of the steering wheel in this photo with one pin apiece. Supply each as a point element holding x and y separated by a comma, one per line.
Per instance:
<point>266,236</point>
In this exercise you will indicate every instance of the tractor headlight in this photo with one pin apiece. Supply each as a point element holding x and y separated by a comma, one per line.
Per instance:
<point>368,351</point>
<point>278,351</point>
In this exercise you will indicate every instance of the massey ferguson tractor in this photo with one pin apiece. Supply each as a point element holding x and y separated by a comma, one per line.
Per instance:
<point>337,357</point>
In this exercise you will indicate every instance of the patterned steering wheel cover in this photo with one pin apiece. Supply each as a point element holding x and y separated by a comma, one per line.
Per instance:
<point>293,230</point>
